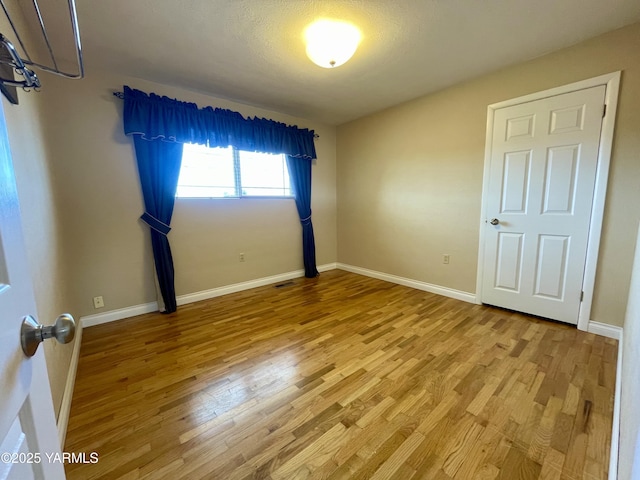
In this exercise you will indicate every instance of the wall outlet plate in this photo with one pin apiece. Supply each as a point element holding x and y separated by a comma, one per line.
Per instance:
<point>98,302</point>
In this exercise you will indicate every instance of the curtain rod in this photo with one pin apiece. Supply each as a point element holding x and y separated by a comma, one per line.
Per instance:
<point>120,95</point>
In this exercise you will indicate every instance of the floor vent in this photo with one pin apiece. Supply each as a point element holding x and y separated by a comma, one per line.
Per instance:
<point>285,284</point>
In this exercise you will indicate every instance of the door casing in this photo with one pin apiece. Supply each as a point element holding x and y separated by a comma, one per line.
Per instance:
<point>612,83</point>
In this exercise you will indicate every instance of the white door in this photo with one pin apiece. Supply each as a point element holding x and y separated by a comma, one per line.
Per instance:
<point>541,184</point>
<point>28,436</point>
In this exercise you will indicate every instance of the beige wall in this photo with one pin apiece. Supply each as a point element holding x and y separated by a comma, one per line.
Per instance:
<point>40,224</point>
<point>100,204</point>
<point>410,177</point>
<point>409,182</point>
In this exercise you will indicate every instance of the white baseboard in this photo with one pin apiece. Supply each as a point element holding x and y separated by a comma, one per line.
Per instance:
<point>67,395</point>
<point>407,282</point>
<point>615,429</point>
<point>605,330</point>
<point>121,313</point>
<point>118,314</point>
<point>239,287</point>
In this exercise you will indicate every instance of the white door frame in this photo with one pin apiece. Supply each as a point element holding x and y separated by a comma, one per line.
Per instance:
<point>612,83</point>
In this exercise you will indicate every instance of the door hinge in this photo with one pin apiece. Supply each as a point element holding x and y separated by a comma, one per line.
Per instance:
<point>604,110</point>
<point>581,296</point>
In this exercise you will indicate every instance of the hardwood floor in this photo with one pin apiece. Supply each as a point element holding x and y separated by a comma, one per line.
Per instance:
<point>342,377</point>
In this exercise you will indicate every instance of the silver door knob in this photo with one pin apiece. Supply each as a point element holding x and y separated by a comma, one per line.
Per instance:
<point>494,221</point>
<point>33,333</point>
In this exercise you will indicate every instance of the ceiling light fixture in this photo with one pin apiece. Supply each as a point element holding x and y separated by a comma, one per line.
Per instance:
<point>330,43</point>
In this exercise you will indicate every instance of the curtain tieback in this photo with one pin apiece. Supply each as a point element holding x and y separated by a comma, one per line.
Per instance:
<point>156,224</point>
<point>306,221</point>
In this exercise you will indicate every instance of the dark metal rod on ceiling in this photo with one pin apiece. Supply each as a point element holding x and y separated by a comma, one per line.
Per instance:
<point>15,31</point>
<point>73,16</point>
<point>120,95</point>
<point>44,33</point>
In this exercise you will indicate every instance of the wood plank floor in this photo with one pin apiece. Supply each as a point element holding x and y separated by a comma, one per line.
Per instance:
<point>342,377</point>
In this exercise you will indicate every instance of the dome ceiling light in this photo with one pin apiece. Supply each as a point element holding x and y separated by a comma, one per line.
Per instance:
<point>330,43</point>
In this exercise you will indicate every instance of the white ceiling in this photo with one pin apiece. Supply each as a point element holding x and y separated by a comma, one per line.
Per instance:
<point>251,51</point>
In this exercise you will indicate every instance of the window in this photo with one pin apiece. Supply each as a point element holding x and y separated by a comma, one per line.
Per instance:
<point>231,173</point>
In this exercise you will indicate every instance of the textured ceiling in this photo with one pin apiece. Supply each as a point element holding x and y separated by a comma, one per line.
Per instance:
<point>252,51</point>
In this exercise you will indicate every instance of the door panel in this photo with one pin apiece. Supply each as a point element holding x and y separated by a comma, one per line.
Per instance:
<point>560,180</point>
<point>515,182</point>
<point>27,422</point>
<point>551,266</point>
<point>540,187</point>
<point>509,266</point>
<point>519,128</point>
<point>565,120</point>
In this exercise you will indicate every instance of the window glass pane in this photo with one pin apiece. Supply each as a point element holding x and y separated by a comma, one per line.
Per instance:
<point>264,174</point>
<point>206,172</point>
<point>214,172</point>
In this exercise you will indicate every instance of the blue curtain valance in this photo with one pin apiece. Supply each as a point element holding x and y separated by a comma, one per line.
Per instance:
<point>154,117</point>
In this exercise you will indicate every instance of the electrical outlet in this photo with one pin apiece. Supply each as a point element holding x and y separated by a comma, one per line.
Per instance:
<point>241,256</point>
<point>98,302</point>
<point>445,259</point>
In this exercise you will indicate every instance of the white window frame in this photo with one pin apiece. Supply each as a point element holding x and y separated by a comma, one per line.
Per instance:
<point>238,187</point>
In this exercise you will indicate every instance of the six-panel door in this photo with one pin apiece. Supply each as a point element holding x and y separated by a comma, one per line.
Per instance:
<point>541,184</point>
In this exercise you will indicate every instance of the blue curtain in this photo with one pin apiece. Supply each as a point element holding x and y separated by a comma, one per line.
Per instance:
<point>159,168</point>
<point>300,174</point>
<point>153,117</point>
<point>161,125</point>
